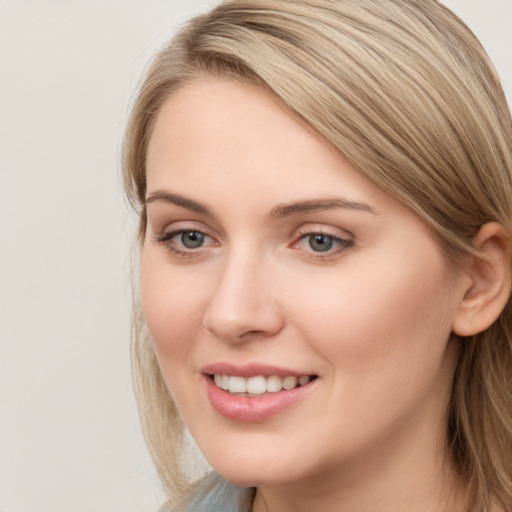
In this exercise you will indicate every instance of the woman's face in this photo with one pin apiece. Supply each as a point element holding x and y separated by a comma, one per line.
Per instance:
<point>272,268</point>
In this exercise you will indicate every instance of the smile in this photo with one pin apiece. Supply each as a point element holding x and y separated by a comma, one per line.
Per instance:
<point>256,398</point>
<point>259,385</point>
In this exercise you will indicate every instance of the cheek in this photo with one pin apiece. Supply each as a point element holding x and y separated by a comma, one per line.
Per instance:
<point>172,302</point>
<point>379,323</point>
<point>384,337</point>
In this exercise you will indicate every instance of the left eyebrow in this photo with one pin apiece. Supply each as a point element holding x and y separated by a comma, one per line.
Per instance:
<point>314,205</point>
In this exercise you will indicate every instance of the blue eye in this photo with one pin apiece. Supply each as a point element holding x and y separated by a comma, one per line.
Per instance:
<point>191,239</point>
<point>184,242</point>
<point>324,244</point>
<point>320,243</point>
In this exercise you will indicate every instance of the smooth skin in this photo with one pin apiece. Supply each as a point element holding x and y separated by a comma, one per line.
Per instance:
<point>265,246</point>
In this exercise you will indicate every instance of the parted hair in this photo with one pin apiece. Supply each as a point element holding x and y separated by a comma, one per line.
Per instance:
<point>405,91</point>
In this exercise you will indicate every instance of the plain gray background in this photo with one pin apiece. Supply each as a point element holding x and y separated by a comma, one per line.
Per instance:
<point>69,433</point>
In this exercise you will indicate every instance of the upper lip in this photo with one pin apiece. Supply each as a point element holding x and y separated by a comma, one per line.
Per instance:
<point>250,370</point>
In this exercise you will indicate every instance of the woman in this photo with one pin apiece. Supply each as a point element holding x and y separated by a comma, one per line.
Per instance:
<point>324,190</point>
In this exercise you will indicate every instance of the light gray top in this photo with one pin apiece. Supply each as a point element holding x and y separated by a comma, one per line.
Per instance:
<point>214,494</point>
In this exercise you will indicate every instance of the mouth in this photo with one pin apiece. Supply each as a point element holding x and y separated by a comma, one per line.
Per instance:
<point>255,392</point>
<point>259,386</point>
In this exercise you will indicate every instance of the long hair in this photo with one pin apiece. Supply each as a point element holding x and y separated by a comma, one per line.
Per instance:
<point>406,93</point>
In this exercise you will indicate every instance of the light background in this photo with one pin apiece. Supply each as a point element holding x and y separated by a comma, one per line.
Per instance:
<point>69,434</point>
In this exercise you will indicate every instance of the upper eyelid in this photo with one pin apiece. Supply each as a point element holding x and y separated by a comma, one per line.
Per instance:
<point>171,233</point>
<point>324,229</point>
<point>184,225</point>
<point>161,223</point>
<point>340,239</point>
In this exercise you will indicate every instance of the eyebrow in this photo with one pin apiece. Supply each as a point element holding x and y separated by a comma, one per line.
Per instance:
<point>279,211</point>
<point>314,205</point>
<point>176,199</point>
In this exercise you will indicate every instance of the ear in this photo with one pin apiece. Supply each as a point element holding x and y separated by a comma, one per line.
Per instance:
<point>488,288</point>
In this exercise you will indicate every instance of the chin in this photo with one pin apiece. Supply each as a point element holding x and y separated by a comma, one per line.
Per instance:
<point>247,470</point>
<point>253,477</point>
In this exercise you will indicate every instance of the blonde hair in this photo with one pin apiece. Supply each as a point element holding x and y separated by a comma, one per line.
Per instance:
<point>407,94</point>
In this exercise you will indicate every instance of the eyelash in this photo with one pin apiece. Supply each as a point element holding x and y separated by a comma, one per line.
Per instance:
<point>166,240</point>
<point>343,244</point>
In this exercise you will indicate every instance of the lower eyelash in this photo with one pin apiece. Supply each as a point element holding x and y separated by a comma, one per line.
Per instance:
<point>165,238</point>
<point>344,244</point>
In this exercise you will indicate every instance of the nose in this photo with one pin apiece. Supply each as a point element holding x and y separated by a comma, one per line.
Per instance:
<point>244,305</point>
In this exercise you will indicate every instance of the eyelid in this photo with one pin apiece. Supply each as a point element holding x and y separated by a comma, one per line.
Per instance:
<point>323,229</point>
<point>165,227</point>
<point>160,217</point>
<point>170,234</point>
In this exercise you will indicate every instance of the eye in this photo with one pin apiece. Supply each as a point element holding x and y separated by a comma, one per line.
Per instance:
<point>320,243</point>
<point>191,239</point>
<point>184,242</point>
<point>323,243</point>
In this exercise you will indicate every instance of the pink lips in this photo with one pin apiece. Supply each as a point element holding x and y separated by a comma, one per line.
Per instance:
<point>251,409</point>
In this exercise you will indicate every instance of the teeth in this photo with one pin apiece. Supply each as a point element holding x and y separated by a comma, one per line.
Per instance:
<point>237,385</point>
<point>258,385</point>
<point>274,384</point>
<point>290,382</point>
<point>304,380</point>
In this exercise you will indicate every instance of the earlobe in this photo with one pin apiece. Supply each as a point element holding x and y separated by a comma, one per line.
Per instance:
<point>489,281</point>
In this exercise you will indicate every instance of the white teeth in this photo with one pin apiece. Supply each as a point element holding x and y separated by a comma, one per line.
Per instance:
<point>274,384</point>
<point>258,385</point>
<point>289,382</point>
<point>237,385</point>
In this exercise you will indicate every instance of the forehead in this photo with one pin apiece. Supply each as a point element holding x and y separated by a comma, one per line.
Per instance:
<point>219,134</point>
<point>219,114</point>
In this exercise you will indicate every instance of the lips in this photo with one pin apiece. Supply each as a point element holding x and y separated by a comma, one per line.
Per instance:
<point>254,393</point>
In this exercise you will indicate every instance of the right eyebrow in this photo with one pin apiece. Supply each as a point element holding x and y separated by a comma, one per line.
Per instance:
<point>176,199</point>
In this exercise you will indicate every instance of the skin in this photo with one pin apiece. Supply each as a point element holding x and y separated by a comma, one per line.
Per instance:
<point>372,317</point>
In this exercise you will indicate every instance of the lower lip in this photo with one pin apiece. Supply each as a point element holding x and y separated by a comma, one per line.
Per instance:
<point>256,409</point>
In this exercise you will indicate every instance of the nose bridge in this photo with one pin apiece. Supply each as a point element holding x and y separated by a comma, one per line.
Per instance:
<point>243,303</point>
